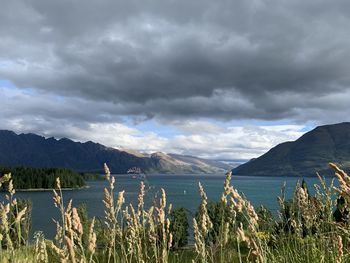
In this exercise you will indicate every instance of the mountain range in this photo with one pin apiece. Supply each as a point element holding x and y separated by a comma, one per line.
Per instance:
<point>306,156</point>
<point>37,151</point>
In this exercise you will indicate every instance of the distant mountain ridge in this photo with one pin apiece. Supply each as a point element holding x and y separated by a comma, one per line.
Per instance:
<point>307,155</point>
<point>37,151</point>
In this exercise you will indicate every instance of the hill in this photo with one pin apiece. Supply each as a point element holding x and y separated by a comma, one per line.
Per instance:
<point>307,155</point>
<point>32,150</point>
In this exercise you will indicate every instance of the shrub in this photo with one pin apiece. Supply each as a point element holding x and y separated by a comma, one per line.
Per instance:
<point>179,227</point>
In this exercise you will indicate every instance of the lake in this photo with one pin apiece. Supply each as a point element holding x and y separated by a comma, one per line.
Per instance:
<point>181,190</point>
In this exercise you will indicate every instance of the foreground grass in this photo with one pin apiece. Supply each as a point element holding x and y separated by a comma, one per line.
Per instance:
<point>313,250</point>
<point>29,255</point>
<point>309,229</point>
<point>21,255</point>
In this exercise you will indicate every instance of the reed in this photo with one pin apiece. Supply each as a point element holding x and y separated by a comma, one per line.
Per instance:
<point>308,229</point>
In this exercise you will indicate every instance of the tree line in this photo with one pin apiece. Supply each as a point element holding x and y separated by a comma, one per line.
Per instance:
<point>31,178</point>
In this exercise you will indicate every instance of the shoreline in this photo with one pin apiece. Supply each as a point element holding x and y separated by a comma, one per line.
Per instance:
<point>50,189</point>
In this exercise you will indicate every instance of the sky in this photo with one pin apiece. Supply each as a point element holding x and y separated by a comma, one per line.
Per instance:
<point>226,79</point>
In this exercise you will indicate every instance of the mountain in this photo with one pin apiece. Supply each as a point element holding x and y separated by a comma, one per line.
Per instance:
<point>307,155</point>
<point>204,163</point>
<point>36,151</point>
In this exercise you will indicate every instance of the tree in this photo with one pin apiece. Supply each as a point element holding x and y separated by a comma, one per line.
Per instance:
<point>179,227</point>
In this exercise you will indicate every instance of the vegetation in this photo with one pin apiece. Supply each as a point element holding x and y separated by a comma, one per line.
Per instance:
<point>179,227</point>
<point>44,178</point>
<point>92,176</point>
<point>15,218</point>
<point>308,228</point>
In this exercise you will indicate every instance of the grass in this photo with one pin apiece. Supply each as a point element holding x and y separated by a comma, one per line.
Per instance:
<point>308,229</point>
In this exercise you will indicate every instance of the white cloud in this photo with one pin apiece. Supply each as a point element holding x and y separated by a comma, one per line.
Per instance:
<point>119,136</point>
<point>234,142</point>
<point>83,120</point>
<point>227,143</point>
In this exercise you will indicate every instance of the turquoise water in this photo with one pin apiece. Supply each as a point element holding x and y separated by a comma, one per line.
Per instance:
<point>181,190</point>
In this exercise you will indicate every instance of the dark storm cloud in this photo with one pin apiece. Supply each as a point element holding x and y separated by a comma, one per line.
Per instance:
<point>181,59</point>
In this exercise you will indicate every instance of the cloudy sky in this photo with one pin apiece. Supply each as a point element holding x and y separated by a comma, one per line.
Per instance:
<point>218,79</point>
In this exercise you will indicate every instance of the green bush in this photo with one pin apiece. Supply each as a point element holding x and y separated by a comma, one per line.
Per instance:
<point>179,227</point>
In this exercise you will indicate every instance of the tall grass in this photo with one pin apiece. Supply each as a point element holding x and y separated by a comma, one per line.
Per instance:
<point>308,228</point>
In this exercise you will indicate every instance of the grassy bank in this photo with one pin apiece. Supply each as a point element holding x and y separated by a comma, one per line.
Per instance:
<point>51,189</point>
<point>308,229</point>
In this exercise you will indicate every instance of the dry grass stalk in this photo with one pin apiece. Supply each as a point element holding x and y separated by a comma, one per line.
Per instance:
<point>204,219</point>
<point>58,202</point>
<point>140,206</point>
<point>92,238</point>
<point>199,244</point>
<point>69,244</point>
<point>344,182</point>
<point>114,231</point>
<point>5,178</point>
<point>239,204</point>
<point>132,233</point>
<point>5,226</point>
<point>202,227</point>
<point>107,171</point>
<point>77,226</point>
<point>162,222</point>
<point>11,228</point>
<point>340,253</point>
<point>40,248</point>
<point>110,214</point>
<point>152,232</point>
<point>324,196</point>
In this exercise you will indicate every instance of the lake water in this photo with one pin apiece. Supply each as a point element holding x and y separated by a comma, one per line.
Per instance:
<point>181,190</point>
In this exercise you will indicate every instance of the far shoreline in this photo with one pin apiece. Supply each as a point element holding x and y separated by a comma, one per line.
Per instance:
<point>51,189</point>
